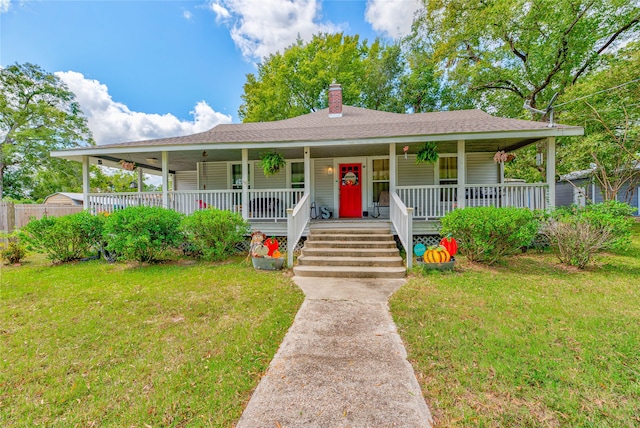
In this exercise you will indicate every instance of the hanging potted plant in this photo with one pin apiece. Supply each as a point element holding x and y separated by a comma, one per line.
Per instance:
<point>128,166</point>
<point>271,163</point>
<point>427,153</point>
<point>502,156</point>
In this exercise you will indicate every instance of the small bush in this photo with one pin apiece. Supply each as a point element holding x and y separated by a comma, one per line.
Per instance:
<point>66,238</point>
<point>142,234</point>
<point>213,233</point>
<point>486,234</point>
<point>576,234</point>
<point>15,250</point>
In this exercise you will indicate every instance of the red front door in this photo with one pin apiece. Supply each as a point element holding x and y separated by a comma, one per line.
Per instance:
<point>350,190</point>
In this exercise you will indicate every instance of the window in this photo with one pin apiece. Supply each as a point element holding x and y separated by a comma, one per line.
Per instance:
<point>236,176</point>
<point>380,179</point>
<point>448,170</point>
<point>297,175</point>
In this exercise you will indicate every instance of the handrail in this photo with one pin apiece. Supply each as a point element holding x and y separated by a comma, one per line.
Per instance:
<point>402,219</point>
<point>297,219</point>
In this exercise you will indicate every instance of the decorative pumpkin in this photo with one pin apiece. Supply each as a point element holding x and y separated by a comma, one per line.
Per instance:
<point>437,255</point>
<point>419,250</point>
<point>276,254</point>
<point>449,242</point>
<point>272,245</point>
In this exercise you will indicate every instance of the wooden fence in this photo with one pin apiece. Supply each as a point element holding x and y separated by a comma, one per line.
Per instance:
<point>14,216</point>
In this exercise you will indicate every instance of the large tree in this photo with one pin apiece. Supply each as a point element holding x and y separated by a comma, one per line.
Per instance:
<point>508,52</point>
<point>295,82</point>
<point>607,104</point>
<point>38,113</point>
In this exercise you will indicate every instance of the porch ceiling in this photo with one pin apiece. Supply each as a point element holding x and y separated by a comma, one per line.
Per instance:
<point>185,159</point>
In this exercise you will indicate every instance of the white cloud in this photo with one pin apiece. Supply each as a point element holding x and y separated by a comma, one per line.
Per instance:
<point>4,5</point>
<point>187,15</point>
<point>262,27</point>
<point>113,122</point>
<point>392,17</point>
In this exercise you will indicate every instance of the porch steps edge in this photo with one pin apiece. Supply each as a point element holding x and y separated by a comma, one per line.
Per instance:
<point>350,271</point>
<point>350,261</point>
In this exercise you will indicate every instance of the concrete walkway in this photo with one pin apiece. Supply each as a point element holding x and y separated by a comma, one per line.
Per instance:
<point>341,364</point>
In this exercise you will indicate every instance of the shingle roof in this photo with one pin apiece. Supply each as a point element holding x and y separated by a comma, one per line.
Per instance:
<point>355,123</point>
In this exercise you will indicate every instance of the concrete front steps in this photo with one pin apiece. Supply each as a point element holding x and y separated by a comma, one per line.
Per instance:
<point>353,252</point>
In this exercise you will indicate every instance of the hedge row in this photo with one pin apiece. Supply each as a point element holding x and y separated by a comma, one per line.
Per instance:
<point>143,234</point>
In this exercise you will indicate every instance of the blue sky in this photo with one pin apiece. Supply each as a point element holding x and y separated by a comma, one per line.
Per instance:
<point>149,69</point>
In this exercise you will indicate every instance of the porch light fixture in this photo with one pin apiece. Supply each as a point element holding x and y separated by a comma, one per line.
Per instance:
<point>330,171</point>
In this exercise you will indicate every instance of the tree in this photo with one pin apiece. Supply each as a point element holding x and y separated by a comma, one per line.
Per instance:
<point>606,105</point>
<point>508,52</point>
<point>295,82</point>
<point>38,114</point>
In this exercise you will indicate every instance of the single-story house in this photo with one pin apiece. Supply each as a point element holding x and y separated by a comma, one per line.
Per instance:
<point>342,162</point>
<point>578,187</point>
<point>64,198</point>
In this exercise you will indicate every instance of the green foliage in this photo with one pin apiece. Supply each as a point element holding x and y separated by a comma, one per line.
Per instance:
<point>487,234</point>
<point>14,251</point>
<point>38,114</point>
<point>141,233</point>
<point>215,233</point>
<point>65,238</point>
<point>271,163</point>
<point>611,119</point>
<point>427,153</point>
<point>295,82</point>
<point>576,234</point>
<point>509,51</point>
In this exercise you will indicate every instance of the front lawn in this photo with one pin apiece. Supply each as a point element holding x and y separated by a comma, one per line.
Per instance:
<point>93,344</point>
<point>528,343</point>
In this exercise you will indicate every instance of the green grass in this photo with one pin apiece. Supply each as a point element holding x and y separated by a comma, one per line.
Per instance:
<point>179,344</point>
<point>527,343</point>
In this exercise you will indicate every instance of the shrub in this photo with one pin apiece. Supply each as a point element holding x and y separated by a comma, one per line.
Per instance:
<point>66,238</point>
<point>215,233</point>
<point>576,234</point>
<point>143,234</point>
<point>15,251</point>
<point>486,234</point>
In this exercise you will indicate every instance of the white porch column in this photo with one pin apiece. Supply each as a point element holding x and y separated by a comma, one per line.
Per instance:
<point>245,183</point>
<point>140,179</point>
<point>551,171</point>
<point>393,163</point>
<point>307,170</point>
<point>462,170</point>
<point>165,179</point>
<point>86,186</point>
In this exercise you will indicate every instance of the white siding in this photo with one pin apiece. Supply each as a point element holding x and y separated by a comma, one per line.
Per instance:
<point>481,169</point>
<point>213,175</point>
<point>278,181</point>
<point>412,174</point>
<point>323,184</point>
<point>186,180</point>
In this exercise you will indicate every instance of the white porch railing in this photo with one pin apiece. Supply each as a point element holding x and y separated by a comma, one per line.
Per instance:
<point>272,204</point>
<point>297,219</point>
<point>402,219</point>
<point>437,201</point>
<point>188,201</point>
<point>109,202</point>
<point>264,204</point>
<point>428,201</point>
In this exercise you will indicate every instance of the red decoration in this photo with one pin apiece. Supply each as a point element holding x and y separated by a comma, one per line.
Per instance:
<point>449,242</point>
<point>272,245</point>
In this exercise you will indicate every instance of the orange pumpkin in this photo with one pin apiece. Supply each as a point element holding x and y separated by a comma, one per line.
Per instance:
<point>276,254</point>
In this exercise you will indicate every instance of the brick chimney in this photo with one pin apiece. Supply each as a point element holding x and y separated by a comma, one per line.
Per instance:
<point>335,100</point>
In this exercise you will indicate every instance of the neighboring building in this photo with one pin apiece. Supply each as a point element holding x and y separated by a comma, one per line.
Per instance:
<point>343,161</point>
<point>578,187</point>
<point>64,198</point>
